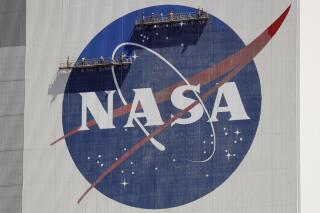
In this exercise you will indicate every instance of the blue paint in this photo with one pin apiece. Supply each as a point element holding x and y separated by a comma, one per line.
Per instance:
<point>161,179</point>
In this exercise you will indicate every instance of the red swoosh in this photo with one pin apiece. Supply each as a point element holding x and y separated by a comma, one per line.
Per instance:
<point>236,63</point>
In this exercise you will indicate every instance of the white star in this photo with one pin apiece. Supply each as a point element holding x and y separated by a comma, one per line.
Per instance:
<point>132,173</point>
<point>203,142</point>
<point>124,183</point>
<point>225,133</point>
<point>134,58</point>
<point>89,158</point>
<point>122,171</point>
<point>101,165</point>
<point>156,168</point>
<point>174,160</point>
<point>237,132</point>
<point>124,149</point>
<point>241,139</point>
<point>99,156</point>
<point>131,163</point>
<point>182,44</point>
<point>228,155</point>
<point>167,38</point>
<point>207,175</point>
<point>181,24</point>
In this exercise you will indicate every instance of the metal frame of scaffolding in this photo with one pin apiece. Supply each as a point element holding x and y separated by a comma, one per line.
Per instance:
<point>172,18</point>
<point>86,64</point>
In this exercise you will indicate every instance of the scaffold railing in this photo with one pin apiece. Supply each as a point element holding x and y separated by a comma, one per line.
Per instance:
<point>68,65</point>
<point>171,18</point>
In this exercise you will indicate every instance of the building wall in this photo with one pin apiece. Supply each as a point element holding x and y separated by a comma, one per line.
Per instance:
<point>267,179</point>
<point>269,174</point>
<point>12,59</point>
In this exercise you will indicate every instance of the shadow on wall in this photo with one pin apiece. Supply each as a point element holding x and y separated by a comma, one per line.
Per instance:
<point>154,37</point>
<point>86,80</point>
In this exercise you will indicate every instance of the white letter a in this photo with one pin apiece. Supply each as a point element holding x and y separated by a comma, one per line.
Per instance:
<point>145,97</point>
<point>234,103</point>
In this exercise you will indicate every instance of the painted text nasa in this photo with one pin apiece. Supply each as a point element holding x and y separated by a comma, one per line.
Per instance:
<point>144,105</point>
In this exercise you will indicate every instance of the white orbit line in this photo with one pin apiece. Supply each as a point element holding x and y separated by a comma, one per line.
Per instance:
<point>156,143</point>
<point>181,76</point>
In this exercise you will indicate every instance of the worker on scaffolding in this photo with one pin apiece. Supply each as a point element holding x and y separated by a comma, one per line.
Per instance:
<point>171,15</point>
<point>122,58</point>
<point>143,20</point>
<point>68,62</point>
<point>83,61</point>
<point>198,13</point>
<point>153,19</point>
<point>101,60</point>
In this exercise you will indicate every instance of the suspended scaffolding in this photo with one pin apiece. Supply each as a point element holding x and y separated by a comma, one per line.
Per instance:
<point>94,64</point>
<point>172,18</point>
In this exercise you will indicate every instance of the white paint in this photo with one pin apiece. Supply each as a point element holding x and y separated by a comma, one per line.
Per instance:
<point>181,102</point>
<point>235,106</point>
<point>150,111</point>
<point>90,102</point>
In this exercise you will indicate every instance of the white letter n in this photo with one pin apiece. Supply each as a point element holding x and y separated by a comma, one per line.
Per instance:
<point>91,102</point>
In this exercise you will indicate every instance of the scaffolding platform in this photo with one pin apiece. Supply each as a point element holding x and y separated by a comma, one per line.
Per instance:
<point>93,64</point>
<point>172,18</point>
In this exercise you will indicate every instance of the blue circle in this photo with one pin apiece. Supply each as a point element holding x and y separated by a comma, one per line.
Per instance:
<point>152,179</point>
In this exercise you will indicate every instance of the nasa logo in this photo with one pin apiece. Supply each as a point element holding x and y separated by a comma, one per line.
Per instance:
<point>175,123</point>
